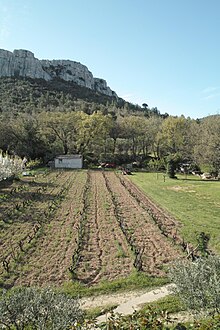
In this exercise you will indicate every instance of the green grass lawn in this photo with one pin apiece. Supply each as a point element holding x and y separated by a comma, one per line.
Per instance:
<point>192,201</point>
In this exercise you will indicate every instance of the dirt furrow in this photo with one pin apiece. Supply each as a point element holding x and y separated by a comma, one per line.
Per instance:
<point>84,225</point>
<point>151,248</point>
<point>167,224</point>
<point>25,225</point>
<point>48,261</point>
<point>90,262</point>
<point>105,253</point>
<point>169,227</point>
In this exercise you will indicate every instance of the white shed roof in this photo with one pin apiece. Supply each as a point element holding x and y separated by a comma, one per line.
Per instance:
<point>68,157</point>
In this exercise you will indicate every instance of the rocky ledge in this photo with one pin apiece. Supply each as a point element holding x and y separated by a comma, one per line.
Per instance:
<point>22,63</point>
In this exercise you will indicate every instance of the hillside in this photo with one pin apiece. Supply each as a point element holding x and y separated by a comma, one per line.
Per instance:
<point>63,109</point>
<point>23,94</point>
<point>28,84</point>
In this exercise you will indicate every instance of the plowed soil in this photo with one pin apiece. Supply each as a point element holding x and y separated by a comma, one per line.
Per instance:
<point>153,250</point>
<point>102,227</point>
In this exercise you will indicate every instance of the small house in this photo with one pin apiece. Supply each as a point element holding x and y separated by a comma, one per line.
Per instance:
<point>68,161</point>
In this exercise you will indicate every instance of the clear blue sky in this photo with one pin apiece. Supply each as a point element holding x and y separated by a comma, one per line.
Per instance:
<point>165,53</point>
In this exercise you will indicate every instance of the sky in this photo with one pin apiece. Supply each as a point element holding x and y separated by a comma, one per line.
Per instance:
<point>165,53</point>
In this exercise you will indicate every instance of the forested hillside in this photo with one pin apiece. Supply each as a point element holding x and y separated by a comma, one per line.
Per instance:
<point>40,119</point>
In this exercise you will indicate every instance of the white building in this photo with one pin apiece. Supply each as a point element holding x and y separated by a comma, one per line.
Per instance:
<point>69,161</point>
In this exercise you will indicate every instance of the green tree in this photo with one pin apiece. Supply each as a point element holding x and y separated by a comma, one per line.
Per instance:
<point>133,128</point>
<point>23,136</point>
<point>172,163</point>
<point>207,146</point>
<point>115,134</point>
<point>61,127</point>
<point>76,132</point>
<point>93,132</point>
<point>152,127</point>
<point>173,137</point>
<point>145,105</point>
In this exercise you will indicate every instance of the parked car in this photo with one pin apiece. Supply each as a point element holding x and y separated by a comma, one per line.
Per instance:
<point>108,165</point>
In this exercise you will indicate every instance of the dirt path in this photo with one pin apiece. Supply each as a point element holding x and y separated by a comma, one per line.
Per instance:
<point>127,302</point>
<point>109,299</point>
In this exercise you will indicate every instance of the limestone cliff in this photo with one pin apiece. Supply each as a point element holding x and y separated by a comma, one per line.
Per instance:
<point>22,63</point>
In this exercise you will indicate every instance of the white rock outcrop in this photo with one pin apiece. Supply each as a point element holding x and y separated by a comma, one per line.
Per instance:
<point>22,63</point>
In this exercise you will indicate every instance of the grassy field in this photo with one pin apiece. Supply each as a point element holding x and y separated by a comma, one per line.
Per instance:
<point>192,201</point>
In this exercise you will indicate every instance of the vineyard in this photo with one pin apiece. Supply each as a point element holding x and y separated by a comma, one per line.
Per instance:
<point>83,225</point>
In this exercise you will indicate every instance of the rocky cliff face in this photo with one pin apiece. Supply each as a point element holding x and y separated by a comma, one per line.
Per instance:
<point>22,63</point>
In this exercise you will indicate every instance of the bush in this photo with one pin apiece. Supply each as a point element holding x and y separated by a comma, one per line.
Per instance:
<point>37,309</point>
<point>198,284</point>
<point>154,319</point>
<point>156,165</point>
<point>31,164</point>
<point>151,319</point>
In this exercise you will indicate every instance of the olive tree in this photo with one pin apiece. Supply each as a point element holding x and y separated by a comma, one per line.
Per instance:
<point>198,283</point>
<point>38,309</point>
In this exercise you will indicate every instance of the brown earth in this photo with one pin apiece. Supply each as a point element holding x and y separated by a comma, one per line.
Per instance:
<point>102,228</point>
<point>152,249</point>
<point>105,253</point>
<point>48,261</point>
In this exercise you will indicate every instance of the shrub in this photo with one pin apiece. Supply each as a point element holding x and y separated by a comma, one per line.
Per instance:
<point>156,165</point>
<point>149,319</point>
<point>31,164</point>
<point>198,284</point>
<point>38,309</point>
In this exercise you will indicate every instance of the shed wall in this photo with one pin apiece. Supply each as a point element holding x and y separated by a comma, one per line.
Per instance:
<point>68,163</point>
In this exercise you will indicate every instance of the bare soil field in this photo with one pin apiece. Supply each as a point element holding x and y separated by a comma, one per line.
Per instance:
<point>152,250</point>
<point>86,225</point>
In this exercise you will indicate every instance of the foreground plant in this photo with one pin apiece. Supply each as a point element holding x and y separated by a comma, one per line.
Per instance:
<point>153,319</point>
<point>198,284</point>
<point>38,309</point>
